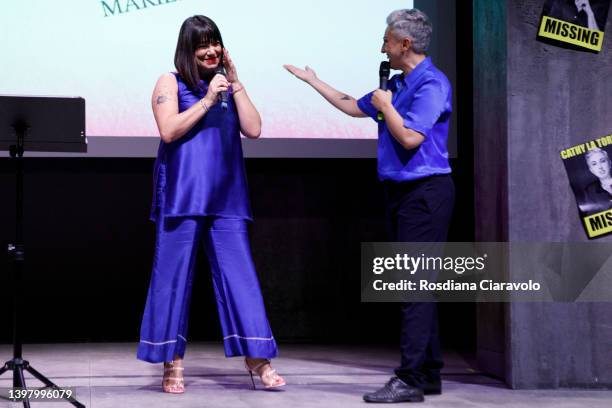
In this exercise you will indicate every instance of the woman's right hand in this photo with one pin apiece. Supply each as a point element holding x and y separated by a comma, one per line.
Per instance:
<point>218,84</point>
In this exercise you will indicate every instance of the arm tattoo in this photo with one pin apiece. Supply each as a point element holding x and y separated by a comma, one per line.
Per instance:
<point>346,98</point>
<point>161,99</point>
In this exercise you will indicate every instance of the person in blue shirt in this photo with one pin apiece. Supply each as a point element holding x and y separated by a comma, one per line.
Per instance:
<point>201,198</point>
<point>414,169</point>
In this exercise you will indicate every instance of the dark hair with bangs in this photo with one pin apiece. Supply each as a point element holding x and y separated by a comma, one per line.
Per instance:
<point>195,31</point>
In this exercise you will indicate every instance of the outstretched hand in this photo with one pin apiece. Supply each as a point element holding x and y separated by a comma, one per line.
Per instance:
<point>305,75</point>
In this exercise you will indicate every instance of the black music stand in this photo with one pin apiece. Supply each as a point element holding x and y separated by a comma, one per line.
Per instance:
<point>36,123</point>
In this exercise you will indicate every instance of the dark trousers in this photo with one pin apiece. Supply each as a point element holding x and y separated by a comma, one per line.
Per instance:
<point>420,211</point>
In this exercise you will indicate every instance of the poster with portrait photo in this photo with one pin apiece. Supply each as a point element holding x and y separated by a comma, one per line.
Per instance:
<point>575,24</point>
<point>589,169</point>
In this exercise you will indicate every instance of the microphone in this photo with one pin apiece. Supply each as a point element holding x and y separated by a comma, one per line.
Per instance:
<point>383,73</point>
<point>224,98</point>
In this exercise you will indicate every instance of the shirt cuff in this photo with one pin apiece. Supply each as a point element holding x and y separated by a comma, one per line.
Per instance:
<point>417,127</point>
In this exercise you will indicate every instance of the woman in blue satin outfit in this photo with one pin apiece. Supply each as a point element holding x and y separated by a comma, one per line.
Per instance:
<point>201,197</point>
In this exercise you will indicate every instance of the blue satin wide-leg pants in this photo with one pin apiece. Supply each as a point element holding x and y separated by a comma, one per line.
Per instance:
<point>245,327</point>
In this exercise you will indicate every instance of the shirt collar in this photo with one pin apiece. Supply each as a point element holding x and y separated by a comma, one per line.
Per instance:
<point>418,70</point>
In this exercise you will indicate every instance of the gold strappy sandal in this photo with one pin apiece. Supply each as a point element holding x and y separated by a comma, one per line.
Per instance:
<point>172,383</point>
<point>268,376</point>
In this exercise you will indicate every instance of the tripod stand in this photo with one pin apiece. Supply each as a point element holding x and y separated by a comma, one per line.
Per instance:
<point>17,254</point>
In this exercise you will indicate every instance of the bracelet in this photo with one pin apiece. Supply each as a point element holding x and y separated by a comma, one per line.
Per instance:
<point>204,106</point>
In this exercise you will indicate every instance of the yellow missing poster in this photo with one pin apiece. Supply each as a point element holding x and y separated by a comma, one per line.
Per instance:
<point>575,24</point>
<point>589,169</point>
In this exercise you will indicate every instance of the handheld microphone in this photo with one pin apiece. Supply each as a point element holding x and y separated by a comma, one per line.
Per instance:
<point>224,97</point>
<point>383,73</point>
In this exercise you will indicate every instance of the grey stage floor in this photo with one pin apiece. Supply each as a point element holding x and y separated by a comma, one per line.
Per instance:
<point>108,375</point>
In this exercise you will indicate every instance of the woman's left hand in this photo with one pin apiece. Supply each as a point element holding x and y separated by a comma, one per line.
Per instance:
<point>230,68</point>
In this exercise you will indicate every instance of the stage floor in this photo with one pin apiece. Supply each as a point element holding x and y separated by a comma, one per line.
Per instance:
<point>109,376</point>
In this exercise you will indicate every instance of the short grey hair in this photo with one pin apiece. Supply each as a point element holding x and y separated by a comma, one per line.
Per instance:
<point>414,24</point>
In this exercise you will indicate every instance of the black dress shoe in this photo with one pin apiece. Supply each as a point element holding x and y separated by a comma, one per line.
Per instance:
<point>395,391</point>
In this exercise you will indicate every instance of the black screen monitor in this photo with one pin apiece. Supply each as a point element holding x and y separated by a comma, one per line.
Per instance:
<point>53,123</point>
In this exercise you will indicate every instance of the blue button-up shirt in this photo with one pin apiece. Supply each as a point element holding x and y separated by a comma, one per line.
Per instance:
<point>424,99</point>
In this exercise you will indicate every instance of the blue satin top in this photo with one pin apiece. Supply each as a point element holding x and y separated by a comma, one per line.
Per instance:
<point>202,173</point>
